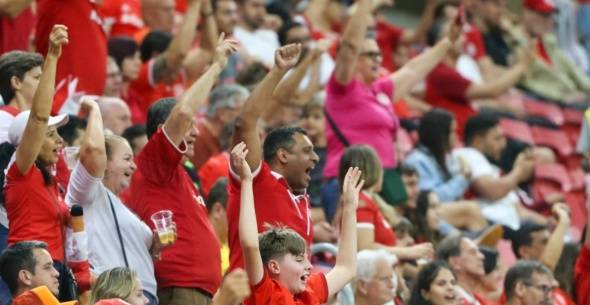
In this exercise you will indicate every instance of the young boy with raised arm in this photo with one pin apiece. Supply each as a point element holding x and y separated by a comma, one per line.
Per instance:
<point>276,262</point>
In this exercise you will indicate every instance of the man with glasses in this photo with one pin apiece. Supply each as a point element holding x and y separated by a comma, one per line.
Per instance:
<point>529,283</point>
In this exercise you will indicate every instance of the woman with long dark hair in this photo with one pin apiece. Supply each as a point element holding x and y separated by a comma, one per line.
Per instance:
<point>435,285</point>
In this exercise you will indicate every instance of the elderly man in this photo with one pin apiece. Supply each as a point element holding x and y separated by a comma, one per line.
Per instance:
<point>529,283</point>
<point>376,281</point>
<point>115,114</point>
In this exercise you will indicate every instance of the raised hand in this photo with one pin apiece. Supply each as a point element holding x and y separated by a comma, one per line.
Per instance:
<point>87,105</point>
<point>352,186</point>
<point>287,57</point>
<point>234,289</point>
<point>562,211</point>
<point>239,164</point>
<point>57,38</point>
<point>224,48</point>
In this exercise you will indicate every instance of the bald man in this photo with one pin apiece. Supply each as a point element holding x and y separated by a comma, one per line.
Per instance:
<point>116,115</point>
<point>158,14</point>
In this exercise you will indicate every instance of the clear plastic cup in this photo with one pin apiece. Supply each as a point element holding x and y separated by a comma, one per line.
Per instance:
<point>71,156</point>
<point>163,222</point>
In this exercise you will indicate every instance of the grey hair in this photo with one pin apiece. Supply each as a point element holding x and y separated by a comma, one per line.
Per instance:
<point>367,260</point>
<point>225,96</point>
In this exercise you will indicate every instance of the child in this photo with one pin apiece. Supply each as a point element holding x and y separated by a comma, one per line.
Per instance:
<point>276,263</point>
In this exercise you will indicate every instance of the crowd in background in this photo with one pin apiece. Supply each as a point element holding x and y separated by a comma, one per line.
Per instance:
<point>307,152</point>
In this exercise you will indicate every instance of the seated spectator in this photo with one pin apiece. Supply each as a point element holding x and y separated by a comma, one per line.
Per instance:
<point>496,193</point>
<point>115,114</point>
<point>26,265</point>
<point>489,287</point>
<point>19,78</point>
<point>114,80</point>
<point>373,230</point>
<point>376,280</point>
<point>528,283</point>
<point>260,43</point>
<point>436,285</point>
<point>136,137</point>
<point>225,103</point>
<point>121,283</point>
<point>404,230</point>
<point>425,218</point>
<point>216,207</point>
<point>125,52</point>
<point>466,262</point>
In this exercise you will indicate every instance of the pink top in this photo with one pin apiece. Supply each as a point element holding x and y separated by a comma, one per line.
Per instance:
<point>364,115</point>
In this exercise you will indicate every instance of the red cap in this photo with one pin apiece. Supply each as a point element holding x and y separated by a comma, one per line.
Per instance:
<point>540,6</point>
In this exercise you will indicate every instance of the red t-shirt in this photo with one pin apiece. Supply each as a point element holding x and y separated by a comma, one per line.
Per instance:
<point>369,216</point>
<point>275,204</point>
<point>85,56</point>
<point>446,88</point>
<point>161,183</point>
<point>270,291</point>
<point>35,211</point>
<point>123,15</point>
<point>582,276</point>
<point>150,91</point>
<point>16,32</point>
<point>474,45</point>
<point>388,36</point>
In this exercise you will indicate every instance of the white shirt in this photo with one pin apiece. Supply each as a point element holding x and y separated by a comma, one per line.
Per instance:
<point>260,44</point>
<point>103,241</point>
<point>326,68</point>
<point>504,210</point>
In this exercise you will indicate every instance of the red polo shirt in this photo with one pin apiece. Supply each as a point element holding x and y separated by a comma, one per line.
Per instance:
<point>85,56</point>
<point>270,291</point>
<point>369,216</point>
<point>35,211</point>
<point>275,204</point>
<point>161,183</point>
<point>582,276</point>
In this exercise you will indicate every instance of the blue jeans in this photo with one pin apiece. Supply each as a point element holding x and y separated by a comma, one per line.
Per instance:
<point>583,19</point>
<point>330,193</point>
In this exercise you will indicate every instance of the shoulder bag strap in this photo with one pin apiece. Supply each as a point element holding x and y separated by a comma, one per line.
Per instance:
<point>118,231</point>
<point>336,130</point>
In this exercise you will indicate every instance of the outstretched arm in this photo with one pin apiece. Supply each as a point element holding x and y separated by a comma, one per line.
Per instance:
<point>260,100</point>
<point>92,151</point>
<point>181,117</point>
<point>248,227</point>
<point>554,248</point>
<point>29,147</point>
<point>345,267</point>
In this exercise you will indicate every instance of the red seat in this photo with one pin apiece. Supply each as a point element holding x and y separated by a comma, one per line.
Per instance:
<point>555,139</point>
<point>517,130</point>
<point>549,111</point>
<point>554,172</point>
<point>577,203</point>
<point>573,116</point>
<point>578,179</point>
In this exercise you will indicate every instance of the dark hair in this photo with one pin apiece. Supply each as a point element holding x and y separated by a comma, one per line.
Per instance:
<point>158,113</point>
<point>424,280</point>
<point>408,170</point>
<point>277,242</point>
<point>449,247</point>
<point>154,41</point>
<point>69,131</point>
<point>6,151</point>
<point>217,193</point>
<point>284,30</point>
<point>522,271</point>
<point>251,75</point>
<point>434,131</point>
<point>479,125</point>
<point>132,132</point>
<point>435,30</point>
<point>404,225</point>
<point>15,63</point>
<point>523,236</point>
<point>490,258</point>
<point>280,138</point>
<point>418,217</point>
<point>120,48</point>
<point>564,270</point>
<point>16,258</point>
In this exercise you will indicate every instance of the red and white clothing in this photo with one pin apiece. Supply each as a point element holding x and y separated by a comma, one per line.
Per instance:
<point>15,33</point>
<point>84,58</point>
<point>36,211</point>
<point>368,216</point>
<point>123,17</point>
<point>161,183</point>
<point>474,45</point>
<point>582,276</point>
<point>270,291</point>
<point>7,115</point>
<point>275,204</point>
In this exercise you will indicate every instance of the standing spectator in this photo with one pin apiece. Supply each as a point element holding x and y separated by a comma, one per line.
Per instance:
<point>227,18</point>
<point>114,82</point>
<point>125,52</point>
<point>260,43</point>
<point>281,166</point>
<point>189,271</point>
<point>136,137</point>
<point>122,17</point>
<point>122,283</point>
<point>85,59</point>
<point>115,114</point>
<point>528,283</point>
<point>216,207</point>
<point>359,101</point>
<point>158,14</point>
<point>41,214</point>
<point>436,285</point>
<point>17,22</point>
<point>19,78</point>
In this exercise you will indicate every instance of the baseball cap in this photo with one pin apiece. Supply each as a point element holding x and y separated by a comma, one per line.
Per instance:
<point>17,128</point>
<point>111,302</point>
<point>39,296</point>
<point>540,6</point>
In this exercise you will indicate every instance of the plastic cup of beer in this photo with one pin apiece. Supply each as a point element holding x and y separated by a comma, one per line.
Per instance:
<point>163,222</point>
<point>71,156</point>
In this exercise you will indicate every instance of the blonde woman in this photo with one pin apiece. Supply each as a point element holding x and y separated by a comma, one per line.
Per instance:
<point>121,283</point>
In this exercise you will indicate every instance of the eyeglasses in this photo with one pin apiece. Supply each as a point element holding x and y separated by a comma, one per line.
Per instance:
<point>546,289</point>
